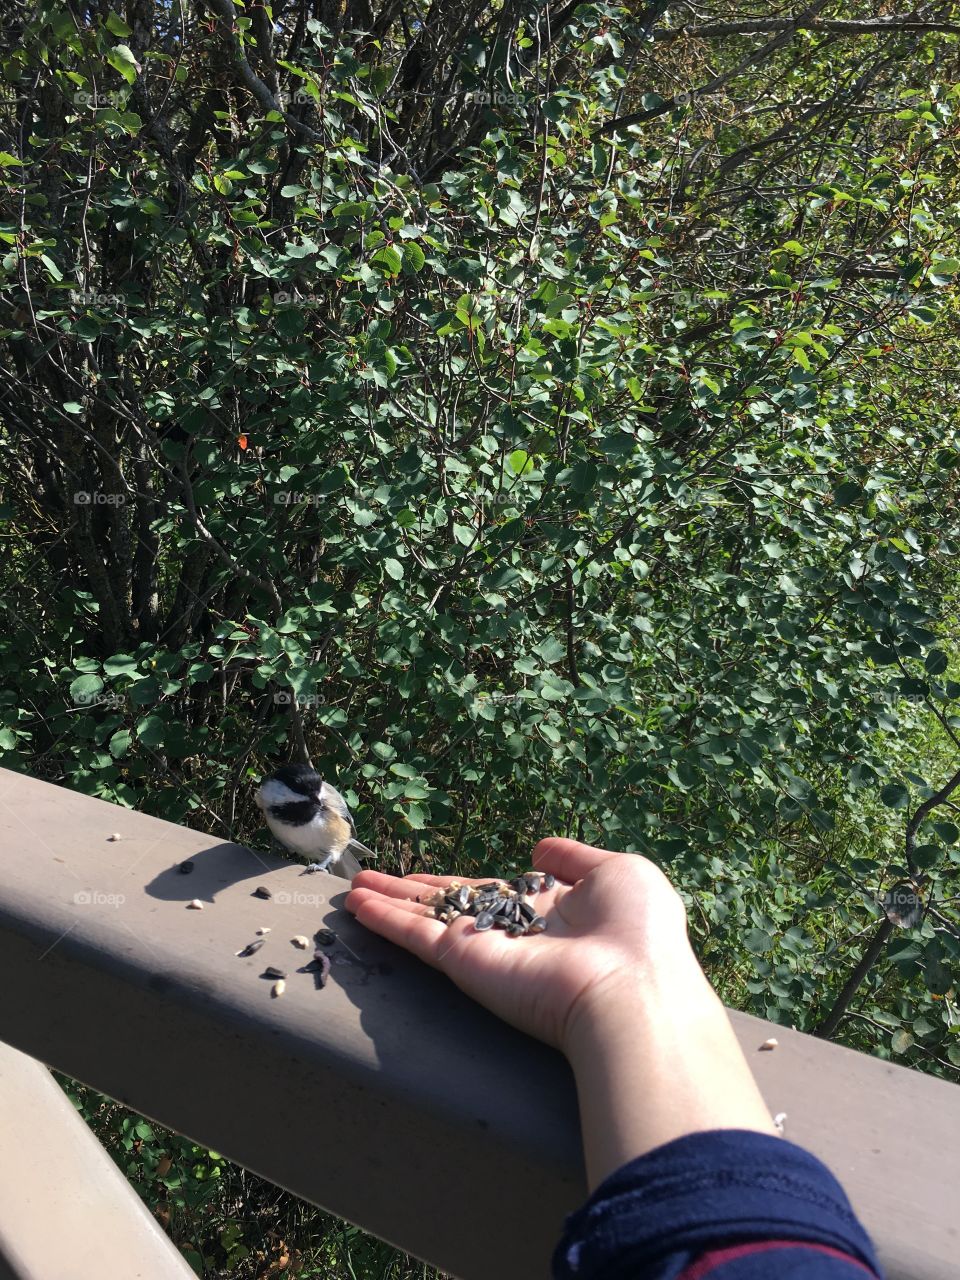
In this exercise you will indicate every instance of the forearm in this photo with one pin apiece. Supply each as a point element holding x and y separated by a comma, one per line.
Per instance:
<point>655,1058</point>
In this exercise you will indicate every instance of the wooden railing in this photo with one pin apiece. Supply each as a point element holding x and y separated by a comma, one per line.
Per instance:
<point>385,1096</point>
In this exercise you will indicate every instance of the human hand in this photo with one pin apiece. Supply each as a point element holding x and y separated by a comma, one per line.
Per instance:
<point>613,921</point>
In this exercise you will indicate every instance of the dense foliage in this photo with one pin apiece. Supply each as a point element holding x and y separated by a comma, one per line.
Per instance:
<point>541,417</point>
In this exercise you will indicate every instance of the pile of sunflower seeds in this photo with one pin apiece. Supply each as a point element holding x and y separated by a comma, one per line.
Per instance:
<point>494,905</point>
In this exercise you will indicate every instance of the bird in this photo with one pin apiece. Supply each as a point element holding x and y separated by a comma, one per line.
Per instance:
<point>311,818</point>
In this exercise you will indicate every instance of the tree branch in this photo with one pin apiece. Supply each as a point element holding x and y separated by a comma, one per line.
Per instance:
<point>228,13</point>
<point>760,26</point>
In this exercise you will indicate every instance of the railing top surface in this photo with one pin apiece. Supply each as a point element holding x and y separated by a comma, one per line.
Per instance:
<point>386,1097</point>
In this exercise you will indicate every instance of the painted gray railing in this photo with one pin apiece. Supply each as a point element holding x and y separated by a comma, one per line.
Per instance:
<point>386,1096</point>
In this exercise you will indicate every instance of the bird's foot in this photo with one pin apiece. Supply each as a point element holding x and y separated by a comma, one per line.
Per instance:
<point>318,866</point>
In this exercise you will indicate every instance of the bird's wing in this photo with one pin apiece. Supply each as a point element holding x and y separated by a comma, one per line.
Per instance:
<point>348,865</point>
<point>360,850</point>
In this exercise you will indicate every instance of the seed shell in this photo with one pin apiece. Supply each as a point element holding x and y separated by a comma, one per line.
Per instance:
<point>251,948</point>
<point>278,988</point>
<point>185,868</point>
<point>273,972</point>
<point>301,942</point>
<point>195,905</point>
<point>262,891</point>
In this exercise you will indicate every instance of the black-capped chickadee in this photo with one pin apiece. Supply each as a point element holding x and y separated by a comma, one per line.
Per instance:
<point>311,818</point>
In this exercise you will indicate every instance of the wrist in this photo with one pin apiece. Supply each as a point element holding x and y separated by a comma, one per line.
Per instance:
<point>642,992</point>
<point>655,1058</point>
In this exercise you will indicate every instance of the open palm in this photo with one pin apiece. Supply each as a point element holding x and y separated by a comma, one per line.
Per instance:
<point>610,917</point>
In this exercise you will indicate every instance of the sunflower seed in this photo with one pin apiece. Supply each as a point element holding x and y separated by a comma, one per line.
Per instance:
<point>278,988</point>
<point>537,925</point>
<point>533,882</point>
<point>548,881</point>
<point>483,921</point>
<point>185,868</point>
<point>251,948</point>
<point>262,891</point>
<point>273,972</point>
<point>515,930</point>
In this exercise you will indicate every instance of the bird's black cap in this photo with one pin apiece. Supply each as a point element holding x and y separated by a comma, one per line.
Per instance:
<point>299,777</point>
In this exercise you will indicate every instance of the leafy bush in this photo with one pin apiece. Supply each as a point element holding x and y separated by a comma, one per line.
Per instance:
<point>518,421</point>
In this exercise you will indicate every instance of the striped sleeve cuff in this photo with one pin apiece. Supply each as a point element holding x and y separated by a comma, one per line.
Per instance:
<point>707,1192</point>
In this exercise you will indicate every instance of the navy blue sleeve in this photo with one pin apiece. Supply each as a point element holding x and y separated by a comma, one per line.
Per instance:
<point>729,1204</point>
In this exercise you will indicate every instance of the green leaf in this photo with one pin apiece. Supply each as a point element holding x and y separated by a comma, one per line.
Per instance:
<point>121,664</point>
<point>121,59</point>
<point>387,260</point>
<point>152,731</point>
<point>6,160</point>
<point>550,650</point>
<point>519,462</point>
<point>901,1041</point>
<point>86,689</point>
<point>937,977</point>
<point>413,256</point>
<point>116,25</point>
<point>757,941</point>
<point>895,795</point>
<point>936,662</point>
<point>583,477</point>
<point>394,568</point>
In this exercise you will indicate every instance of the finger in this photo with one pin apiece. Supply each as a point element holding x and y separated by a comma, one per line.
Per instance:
<point>389,886</point>
<point>568,860</point>
<point>416,933</point>
<point>356,896</point>
<point>441,882</point>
